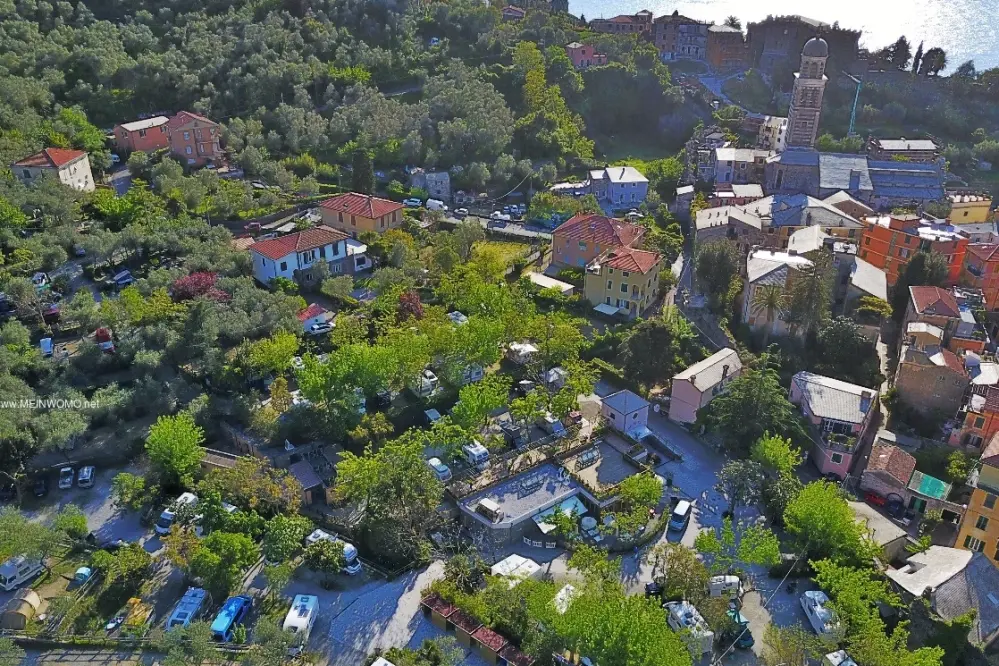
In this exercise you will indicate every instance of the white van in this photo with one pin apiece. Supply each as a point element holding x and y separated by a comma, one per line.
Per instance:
<point>729,587</point>
<point>476,455</point>
<point>300,619</point>
<point>86,477</point>
<point>18,570</point>
<point>165,522</point>
<point>188,608</point>
<point>489,509</point>
<point>436,204</point>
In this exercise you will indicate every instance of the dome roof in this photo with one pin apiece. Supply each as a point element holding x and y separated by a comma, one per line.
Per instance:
<point>816,47</point>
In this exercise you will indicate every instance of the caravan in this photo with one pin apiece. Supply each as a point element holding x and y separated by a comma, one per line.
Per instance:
<point>683,616</point>
<point>476,455</point>
<point>353,565</point>
<point>18,570</point>
<point>300,619</point>
<point>165,522</point>
<point>188,608</point>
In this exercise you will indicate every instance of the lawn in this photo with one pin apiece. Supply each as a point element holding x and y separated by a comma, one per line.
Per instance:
<point>509,250</point>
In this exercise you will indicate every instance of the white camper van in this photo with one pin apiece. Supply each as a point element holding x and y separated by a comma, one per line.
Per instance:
<point>353,566</point>
<point>165,522</point>
<point>19,570</point>
<point>188,608</point>
<point>300,619</point>
<point>681,616</point>
<point>476,455</point>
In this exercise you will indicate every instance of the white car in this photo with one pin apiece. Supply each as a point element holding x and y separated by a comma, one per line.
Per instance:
<point>115,159</point>
<point>321,328</point>
<point>461,213</point>
<point>412,203</point>
<point>441,471</point>
<point>815,603</point>
<point>67,475</point>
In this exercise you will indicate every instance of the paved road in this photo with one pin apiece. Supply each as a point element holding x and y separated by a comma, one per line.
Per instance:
<point>88,657</point>
<point>509,228</point>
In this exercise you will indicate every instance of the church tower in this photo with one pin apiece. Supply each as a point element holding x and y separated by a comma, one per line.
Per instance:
<point>806,96</point>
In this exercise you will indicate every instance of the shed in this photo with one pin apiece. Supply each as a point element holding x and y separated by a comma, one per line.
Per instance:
<point>489,643</point>
<point>312,485</point>
<point>438,609</point>
<point>625,410</point>
<point>464,626</point>
<point>20,609</point>
<point>516,568</point>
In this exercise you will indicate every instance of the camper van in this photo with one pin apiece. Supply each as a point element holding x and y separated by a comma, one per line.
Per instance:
<point>683,616</point>
<point>165,522</point>
<point>552,425</point>
<point>188,608</point>
<point>353,566</point>
<point>300,619</point>
<point>489,510</point>
<point>729,587</point>
<point>681,516</point>
<point>476,455</point>
<point>18,570</point>
<point>232,614</point>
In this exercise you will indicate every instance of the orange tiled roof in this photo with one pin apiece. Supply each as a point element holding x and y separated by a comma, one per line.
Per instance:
<point>600,229</point>
<point>184,117</point>
<point>630,259</point>
<point>364,205</point>
<point>299,241</point>
<point>891,459</point>
<point>984,251</point>
<point>51,158</point>
<point>941,301</point>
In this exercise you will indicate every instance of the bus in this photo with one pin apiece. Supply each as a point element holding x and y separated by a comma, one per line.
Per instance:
<point>300,619</point>
<point>233,612</point>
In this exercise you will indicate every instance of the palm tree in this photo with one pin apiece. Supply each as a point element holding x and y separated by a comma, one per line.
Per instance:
<point>770,299</point>
<point>734,22</point>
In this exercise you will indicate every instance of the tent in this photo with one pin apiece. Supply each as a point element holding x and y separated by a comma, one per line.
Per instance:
<point>20,609</point>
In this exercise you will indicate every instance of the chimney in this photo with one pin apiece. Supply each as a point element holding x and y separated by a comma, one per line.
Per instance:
<point>693,379</point>
<point>854,180</point>
<point>724,371</point>
<point>866,398</point>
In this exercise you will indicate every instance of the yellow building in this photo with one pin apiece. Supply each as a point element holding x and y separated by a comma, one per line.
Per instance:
<point>980,525</point>
<point>969,208</point>
<point>355,213</point>
<point>623,281</point>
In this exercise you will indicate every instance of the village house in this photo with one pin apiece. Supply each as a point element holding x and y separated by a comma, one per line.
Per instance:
<point>726,48</point>
<point>146,135</point>
<point>969,207</point>
<point>624,281</point>
<point>680,38</point>
<point>979,529</point>
<point>981,271</point>
<point>436,183</point>
<point>619,186</point>
<point>584,237</point>
<point>512,13</point>
<point>929,378</point>
<point>313,315</point>
<point>699,384</point>
<point>888,470</point>
<point>733,195</point>
<point>844,202</point>
<point>772,135</point>
<point>840,414</point>
<point>890,241</point>
<point>624,24</point>
<point>977,420</point>
<point>625,411</point>
<point>903,150</point>
<point>355,213</point>
<point>952,312</point>
<point>297,256</point>
<point>584,56</point>
<point>740,165</point>
<point>769,268</point>
<point>69,167</point>
<point>195,139</point>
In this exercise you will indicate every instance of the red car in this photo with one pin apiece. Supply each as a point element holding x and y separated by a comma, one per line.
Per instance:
<point>875,499</point>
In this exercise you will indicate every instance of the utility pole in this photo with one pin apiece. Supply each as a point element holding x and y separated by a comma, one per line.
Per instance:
<point>856,99</point>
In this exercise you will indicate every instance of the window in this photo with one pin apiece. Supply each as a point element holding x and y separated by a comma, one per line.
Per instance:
<point>867,240</point>
<point>353,222</point>
<point>187,136</point>
<point>979,421</point>
<point>610,285</point>
<point>142,132</point>
<point>211,132</point>
<point>582,246</point>
<point>284,265</point>
<point>187,150</point>
<point>971,543</point>
<point>990,501</point>
<point>322,252</point>
<point>197,133</point>
<point>608,300</point>
<point>836,458</point>
<point>982,523</point>
<point>624,287</point>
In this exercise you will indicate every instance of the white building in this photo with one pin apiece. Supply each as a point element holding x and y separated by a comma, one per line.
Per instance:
<point>625,410</point>
<point>312,315</point>
<point>296,255</point>
<point>620,186</point>
<point>70,167</point>
<point>766,268</point>
<point>773,134</point>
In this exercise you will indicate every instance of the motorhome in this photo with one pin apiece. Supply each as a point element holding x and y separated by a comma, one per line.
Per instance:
<point>18,570</point>
<point>188,608</point>
<point>165,522</point>
<point>682,616</point>
<point>472,373</point>
<point>300,619</point>
<point>476,455</point>
<point>489,510</point>
<point>729,587</point>
<point>353,564</point>
<point>552,425</point>
<point>441,471</point>
<point>232,614</point>
<point>425,385</point>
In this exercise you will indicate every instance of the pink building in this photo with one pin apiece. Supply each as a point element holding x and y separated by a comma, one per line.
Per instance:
<point>195,139</point>
<point>840,414</point>
<point>584,55</point>
<point>584,237</point>
<point>698,385</point>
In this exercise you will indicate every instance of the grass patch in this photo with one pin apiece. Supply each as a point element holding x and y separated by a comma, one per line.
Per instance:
<point>626,147</point>
<point>508,250</point>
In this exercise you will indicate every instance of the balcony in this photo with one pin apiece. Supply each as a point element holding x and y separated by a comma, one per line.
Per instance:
<point>838,442</point>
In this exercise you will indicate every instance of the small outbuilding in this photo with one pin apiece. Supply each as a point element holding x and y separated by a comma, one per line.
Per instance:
<point>625,410</point>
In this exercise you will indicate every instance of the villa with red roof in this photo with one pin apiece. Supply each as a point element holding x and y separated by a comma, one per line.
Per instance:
<point>297,256</point>
<point>586,236</point>
<point>355,213</point>
<point>195,139</point>
<point>70,167</point>
<point>624,281</point>
<point>312,315</point>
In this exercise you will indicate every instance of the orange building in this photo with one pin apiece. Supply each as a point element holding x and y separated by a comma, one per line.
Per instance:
<point>981,271</point>
<point>978,420</point>
<point>195,139</point>
<point>889,241</point>
<point>727,48</point>
<point>146,135</point>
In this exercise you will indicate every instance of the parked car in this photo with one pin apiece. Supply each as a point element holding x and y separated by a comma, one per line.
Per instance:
<point>322,328</point>
<point>815,603</point>
<point>66,477</point>
<point>461,213</point>
<point>441,471</point>
<point>86,478</point>
<point>412,202</point>
<point>115,159</point>
<point>40,487</point>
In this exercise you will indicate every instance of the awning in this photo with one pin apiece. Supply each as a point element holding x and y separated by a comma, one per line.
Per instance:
<point>569,506</point>
<point>606,308</point>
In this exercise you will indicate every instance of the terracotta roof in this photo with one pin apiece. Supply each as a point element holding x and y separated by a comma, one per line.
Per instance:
<point>620,18</point>
<point>313,310</point>
<point>891,459</point>
<point>630,259</point>
<point>989,402</point>
<point>464,621</point>
<point>952,361</point>
<point>600,230</point>
<point>934,299</point>
<point>364,205</point>
<point>515,657</point>
<point>990,454</point>
<point>435,603</point>
<point>184,117</point>
<point>299,241</point>
<point>490,639</point>
<point>51,158</point>
<point>510,9</point>
<point>984,251</point>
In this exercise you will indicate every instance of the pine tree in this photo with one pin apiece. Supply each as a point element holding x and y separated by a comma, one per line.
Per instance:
<point>917,58</point>
<point>364,172</point>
